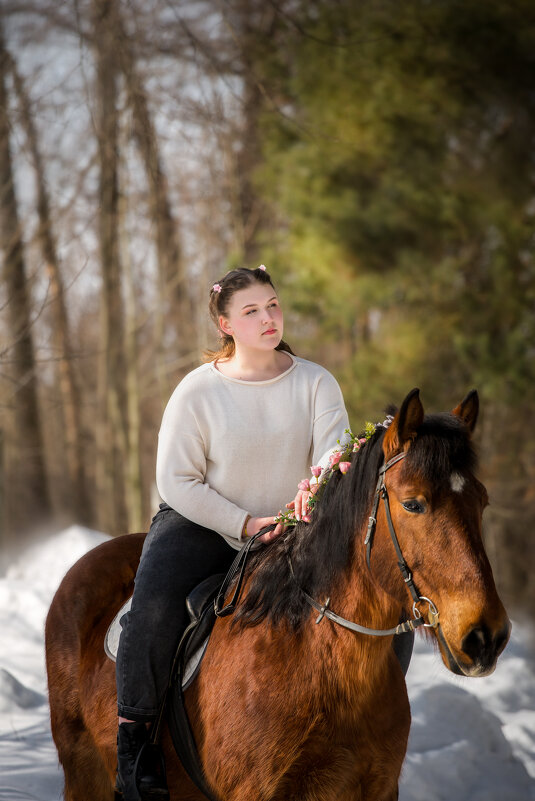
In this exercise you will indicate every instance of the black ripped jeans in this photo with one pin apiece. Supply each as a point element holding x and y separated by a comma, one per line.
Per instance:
<point>177,555</point>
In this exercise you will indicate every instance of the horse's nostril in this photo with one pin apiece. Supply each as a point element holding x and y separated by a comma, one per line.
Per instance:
<point>502,638</point>
<point>476,642</point>
<point>482,646</point>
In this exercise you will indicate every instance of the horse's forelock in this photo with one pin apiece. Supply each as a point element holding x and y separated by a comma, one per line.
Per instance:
<point>442,447</point>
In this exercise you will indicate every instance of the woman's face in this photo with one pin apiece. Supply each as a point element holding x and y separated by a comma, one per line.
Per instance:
<point>254,317</point>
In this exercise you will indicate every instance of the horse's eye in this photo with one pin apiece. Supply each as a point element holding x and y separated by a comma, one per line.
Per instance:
<point>414,506</point>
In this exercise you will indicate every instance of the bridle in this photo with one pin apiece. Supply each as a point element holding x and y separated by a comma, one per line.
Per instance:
<point>407,625</point>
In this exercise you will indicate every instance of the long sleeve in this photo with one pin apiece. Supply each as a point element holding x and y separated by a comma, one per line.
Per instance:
<point>330,419</point>
<point>181,468</point>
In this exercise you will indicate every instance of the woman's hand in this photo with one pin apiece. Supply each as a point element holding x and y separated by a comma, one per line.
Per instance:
<point>255,524</point>
<point>300,502</point>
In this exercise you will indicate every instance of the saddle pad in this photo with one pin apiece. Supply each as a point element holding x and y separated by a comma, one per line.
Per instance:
<point>111,640</point>
<point>111,646</point>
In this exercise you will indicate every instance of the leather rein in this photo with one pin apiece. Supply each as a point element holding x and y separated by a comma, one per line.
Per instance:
<point>407,625</point>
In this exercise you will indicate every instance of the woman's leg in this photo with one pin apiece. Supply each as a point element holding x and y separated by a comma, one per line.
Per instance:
<point>177,555</point>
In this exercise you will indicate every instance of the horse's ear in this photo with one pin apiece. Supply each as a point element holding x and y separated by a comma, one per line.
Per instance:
<point>468,410</point>
<point>403,428</point>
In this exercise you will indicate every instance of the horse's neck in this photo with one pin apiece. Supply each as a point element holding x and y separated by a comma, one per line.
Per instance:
<point>355,591</point>
<point>349,659</point>
<point>360,597</point>
<point>344,668</point>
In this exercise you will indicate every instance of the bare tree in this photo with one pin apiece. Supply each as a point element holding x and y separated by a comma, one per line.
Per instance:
<point>112,434</point>
<point>253,26</point>
<point>174,307</point>
<point>70,396</point>
<point>33,503</point>
<point>143,344</point>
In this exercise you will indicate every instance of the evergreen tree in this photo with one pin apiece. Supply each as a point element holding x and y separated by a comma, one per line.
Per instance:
<point>402,173</point>
<point>400,165</point>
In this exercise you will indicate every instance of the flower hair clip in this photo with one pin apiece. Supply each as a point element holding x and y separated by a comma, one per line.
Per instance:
<point>262,267</point>
<point>216,288</point>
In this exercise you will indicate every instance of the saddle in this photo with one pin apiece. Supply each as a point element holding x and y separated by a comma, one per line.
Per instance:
<point>200,604</point>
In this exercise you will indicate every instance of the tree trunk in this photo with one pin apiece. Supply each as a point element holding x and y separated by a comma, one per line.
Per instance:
<point>113,425</point>
<point>76,494</point>
<point>175,312</point>
<point>133,482</point>
<point>252,209</point>
<point>255,24</point>
<point>3,539</point>
<point>33,503</point>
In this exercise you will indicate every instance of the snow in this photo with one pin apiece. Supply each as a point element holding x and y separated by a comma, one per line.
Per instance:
<point>471,739</point>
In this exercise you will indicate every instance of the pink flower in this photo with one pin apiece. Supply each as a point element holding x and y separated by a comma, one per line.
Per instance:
<point>334,458</point>
<point>316,470</point>
<point>304,485</point>
<point>262,267</point>
<point>216,287</point>
<point>344,466</point>
<point>356,447</point>
<point>362,440</point>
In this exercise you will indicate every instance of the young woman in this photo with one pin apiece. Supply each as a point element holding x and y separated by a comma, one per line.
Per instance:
<point>237,436</point>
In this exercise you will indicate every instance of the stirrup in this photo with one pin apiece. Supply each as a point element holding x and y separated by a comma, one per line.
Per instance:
<point>153,754</point>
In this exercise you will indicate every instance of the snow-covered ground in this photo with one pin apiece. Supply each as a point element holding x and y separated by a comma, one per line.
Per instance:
<point>471,739</point>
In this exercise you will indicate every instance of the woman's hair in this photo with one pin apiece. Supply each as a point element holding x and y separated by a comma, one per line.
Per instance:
<point>220,296</point>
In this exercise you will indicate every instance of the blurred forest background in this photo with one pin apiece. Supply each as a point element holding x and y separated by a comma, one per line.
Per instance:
<point>378,157</point>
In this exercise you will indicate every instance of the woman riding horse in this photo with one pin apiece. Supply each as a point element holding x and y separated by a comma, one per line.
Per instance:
<point>286,708</point>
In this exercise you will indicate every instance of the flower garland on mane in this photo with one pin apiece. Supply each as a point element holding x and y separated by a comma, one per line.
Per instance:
<point>339,460</point>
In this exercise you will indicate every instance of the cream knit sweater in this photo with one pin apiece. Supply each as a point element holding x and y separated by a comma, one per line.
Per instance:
<point>228,448</point>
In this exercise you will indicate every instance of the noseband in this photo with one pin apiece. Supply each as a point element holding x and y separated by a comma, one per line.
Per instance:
<point>408,625</point>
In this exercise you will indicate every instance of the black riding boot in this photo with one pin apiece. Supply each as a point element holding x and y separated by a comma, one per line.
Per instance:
<point>140,765</point>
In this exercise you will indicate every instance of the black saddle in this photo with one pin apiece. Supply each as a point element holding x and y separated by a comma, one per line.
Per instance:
<point>200,606</point>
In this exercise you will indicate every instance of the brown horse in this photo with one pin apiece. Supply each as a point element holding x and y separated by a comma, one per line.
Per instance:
<point>284,708</point>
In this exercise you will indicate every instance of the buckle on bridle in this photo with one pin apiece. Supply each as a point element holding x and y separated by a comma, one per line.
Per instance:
<point>323,609</point>
<point>372,522</point>
<point>432,612</point>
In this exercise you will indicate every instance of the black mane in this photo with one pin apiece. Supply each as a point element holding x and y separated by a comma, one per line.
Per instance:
<point>321,549</point>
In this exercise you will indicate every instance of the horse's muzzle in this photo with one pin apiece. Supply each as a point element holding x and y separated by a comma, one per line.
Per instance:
<point>480,649</point>
<point>483,647</point>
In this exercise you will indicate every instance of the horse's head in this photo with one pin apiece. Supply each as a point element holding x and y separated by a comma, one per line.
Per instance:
<point>436,505</point>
